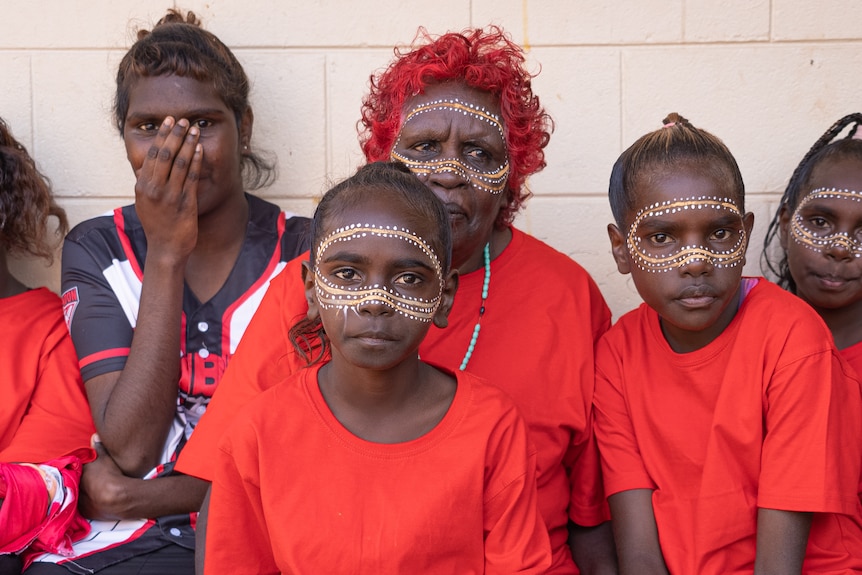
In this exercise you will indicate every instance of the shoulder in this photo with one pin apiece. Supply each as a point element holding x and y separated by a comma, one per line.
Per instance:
<point>274,407</point>
<point>776,311</point>
<point>106,223</point>
<point>482,399</point>
<point>32,313</point>
<point>628,333</point>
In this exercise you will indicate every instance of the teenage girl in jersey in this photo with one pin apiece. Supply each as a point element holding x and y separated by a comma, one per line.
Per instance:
<point>44,418</point>
<point>374,461</point>
<point>158,294</point>
<point>819,226</point>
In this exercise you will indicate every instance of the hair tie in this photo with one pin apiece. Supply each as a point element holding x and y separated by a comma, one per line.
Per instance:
<point>669,125</point>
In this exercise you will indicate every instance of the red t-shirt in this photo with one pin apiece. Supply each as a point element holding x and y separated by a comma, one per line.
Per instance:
<point>543,315</point>
<point>763,416</point>
<point>296,492</point>
<point>43,412</point>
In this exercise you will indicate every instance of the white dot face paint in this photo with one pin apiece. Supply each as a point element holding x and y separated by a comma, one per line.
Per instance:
<point>339,291</point>
<point>653,248</point>
<point>812,230</point>
<point>481,160</point>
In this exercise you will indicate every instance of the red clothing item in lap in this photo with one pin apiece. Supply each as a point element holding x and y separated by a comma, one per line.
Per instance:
<point>296,492</point>
<point>543,316</point>
<point>44,412</point>
<point>766,415</point>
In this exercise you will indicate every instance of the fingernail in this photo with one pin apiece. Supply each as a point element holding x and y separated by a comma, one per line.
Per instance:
<point>168,122</point>
<point>194,130</point>
<point>183,122</point>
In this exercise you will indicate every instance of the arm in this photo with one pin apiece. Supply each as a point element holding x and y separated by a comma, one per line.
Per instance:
<point>516,539</point>
<point>782,537</point>
<point>593,549</point>
<point>636,533</point>
<point>108,494</point>
<point>237,539</point>
<point>57,418</point>
<point>263,358</point>
<point>133,408</point>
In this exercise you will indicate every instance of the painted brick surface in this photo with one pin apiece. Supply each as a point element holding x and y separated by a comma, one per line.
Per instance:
<point>766,76</point>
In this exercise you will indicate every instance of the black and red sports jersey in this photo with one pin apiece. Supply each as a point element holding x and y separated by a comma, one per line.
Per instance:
<point>102,271</point>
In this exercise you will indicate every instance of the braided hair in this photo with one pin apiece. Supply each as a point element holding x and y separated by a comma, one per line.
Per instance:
<point>825,148</point>
<point>677,142</point>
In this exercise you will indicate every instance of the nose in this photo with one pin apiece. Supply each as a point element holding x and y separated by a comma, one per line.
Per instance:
<point>840,248</point>
<point>697,263</point>
<point>376,301</point>
<point>448,174</point>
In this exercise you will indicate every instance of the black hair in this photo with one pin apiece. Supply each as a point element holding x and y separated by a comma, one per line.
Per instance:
<point>377,178</point>
<point>825,148</point>
<point>178,45</point>
<point>675,143</point>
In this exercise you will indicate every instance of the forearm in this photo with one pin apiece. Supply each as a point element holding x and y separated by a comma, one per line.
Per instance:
<point>132,498</point>
<point>782,537</point>
<point>593,549</point>
<point>137,411</point>
<point>636,533</point>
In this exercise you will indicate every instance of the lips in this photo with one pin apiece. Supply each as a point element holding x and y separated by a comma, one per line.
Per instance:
<point>697,296</point>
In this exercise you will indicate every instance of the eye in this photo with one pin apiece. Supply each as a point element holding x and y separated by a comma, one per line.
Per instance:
<point>478,154</point>
<point>722,234</point>
<point>408,279</point>
<point>424,148</point>
<point>346,274</point>
<point>202,123</point>
<point>148,127</point>
<point>660,239</point>
<point>818,222</point>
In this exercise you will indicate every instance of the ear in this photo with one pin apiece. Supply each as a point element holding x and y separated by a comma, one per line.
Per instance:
<point>619,249</point>
<point>748,224</point>
<point>246,124</point>
<point>310,293</point>
<point>447,298</point>
<point>783,226</point>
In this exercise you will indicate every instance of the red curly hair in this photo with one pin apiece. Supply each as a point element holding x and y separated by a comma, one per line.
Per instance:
<point>484,60</point>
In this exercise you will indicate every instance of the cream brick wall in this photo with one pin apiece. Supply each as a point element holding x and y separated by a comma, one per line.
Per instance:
<point>768,76</point>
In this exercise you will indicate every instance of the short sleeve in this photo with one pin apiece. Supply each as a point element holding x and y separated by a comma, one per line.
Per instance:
<point>622,465</point>
<point>100,325</point>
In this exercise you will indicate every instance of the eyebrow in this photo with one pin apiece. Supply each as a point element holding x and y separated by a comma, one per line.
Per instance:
<point>146,114</point>
<point>657,223</point>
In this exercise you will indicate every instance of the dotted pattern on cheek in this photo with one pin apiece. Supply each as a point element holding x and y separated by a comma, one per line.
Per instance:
<point>686,254</point>
<point>332,296</point>
<point>492,181</point>
<point>810,239</point>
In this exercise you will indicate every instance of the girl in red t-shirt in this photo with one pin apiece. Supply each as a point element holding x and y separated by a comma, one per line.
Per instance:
<point>374,461</point>
<point>45,423</point>
<point>819,228</point>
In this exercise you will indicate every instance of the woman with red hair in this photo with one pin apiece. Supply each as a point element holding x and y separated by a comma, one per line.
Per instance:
<point>459,111</point>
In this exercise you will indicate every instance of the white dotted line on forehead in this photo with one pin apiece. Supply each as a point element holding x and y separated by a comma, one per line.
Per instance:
<point>352,231</point>
<point>456,105</point>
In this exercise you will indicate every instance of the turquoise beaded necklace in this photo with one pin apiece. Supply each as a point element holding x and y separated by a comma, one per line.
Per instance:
<point>487,282</point>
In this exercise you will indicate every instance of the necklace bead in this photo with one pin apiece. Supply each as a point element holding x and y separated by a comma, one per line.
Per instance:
<point>478,326</point>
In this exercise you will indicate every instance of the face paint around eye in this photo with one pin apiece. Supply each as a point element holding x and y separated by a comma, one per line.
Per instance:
<point>332,296</point>
<point>812,239</point>
<point>491,181</point>
<point>648,260</point>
